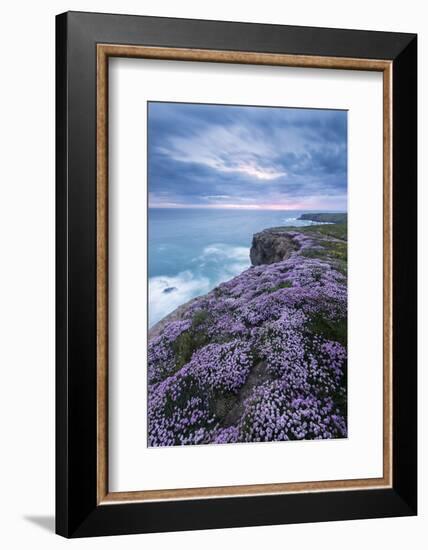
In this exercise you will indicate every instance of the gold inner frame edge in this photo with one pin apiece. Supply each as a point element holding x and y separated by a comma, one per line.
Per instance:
<point>104,51</point>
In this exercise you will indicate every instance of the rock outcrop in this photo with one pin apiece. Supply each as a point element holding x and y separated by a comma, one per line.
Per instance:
<point>271,246</point>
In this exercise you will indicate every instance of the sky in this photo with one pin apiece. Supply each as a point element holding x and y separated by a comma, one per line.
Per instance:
<point>223,156</point>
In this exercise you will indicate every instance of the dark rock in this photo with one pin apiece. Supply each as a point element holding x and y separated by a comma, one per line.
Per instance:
<point>169,289</point>
<point>271,246</point>
<point>258,375</point>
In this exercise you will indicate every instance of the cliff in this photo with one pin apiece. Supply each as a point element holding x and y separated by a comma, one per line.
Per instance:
<point>271,246</point>
<point>262,357</point>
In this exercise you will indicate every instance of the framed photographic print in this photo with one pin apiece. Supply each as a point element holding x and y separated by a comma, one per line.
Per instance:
<point>236,274</point>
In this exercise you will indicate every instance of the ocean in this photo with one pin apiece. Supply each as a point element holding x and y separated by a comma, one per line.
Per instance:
<point>193,250</point>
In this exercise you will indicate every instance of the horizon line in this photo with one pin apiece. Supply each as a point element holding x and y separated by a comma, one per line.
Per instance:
<point>243,207</point>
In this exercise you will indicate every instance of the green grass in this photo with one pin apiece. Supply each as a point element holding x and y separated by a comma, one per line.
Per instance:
<point>184,346</point>
<point>331,330</point>
<point>336,230</point>
<point>199,318</point>
<point>285,284</point>
<point>188,342</point>
<point>335,250</point>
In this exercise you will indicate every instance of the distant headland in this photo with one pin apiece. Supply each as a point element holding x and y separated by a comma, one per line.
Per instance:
<point>333,217</point>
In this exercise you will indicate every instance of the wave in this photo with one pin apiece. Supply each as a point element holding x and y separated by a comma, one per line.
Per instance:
<point>297,222</point>
<point>223,261</point>
<point>217,263</point>
<point>167,293</point>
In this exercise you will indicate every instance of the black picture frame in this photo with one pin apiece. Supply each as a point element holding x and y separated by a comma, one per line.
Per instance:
<point>77,511</point>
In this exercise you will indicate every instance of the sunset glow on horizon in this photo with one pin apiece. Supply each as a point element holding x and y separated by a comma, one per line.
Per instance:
<point>281,207</point>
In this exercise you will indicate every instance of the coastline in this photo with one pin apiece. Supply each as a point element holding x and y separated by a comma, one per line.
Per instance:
<point>295,291</point>
<point>338,219</point>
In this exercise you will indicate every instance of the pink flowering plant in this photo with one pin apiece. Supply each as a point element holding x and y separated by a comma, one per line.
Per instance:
<point>262,357</point>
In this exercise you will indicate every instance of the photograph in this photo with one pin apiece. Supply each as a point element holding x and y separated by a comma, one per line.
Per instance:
<point>247,273</point>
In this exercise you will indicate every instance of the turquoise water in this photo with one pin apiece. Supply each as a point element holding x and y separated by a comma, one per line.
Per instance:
<point>193,250</point>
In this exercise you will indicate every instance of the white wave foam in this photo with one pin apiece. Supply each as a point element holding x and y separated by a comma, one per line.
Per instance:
<point>228,260</point>
<point>180,289</point>
<point>218,262</point>
<point>220,251</point>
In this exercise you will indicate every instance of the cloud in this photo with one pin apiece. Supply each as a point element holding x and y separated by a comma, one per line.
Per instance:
<point>216,197</point>
<point>225,149</point>
<point>206,155</point>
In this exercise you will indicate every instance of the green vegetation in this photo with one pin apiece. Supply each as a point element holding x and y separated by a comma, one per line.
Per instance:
<point>199,318</point>
<point>284,284</point>
<point>337,230</point>
<point>331,330</point>
<point>335,251</point>
<point>191,340</point>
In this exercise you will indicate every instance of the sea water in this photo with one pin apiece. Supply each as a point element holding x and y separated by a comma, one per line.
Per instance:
<point>191,251</point>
